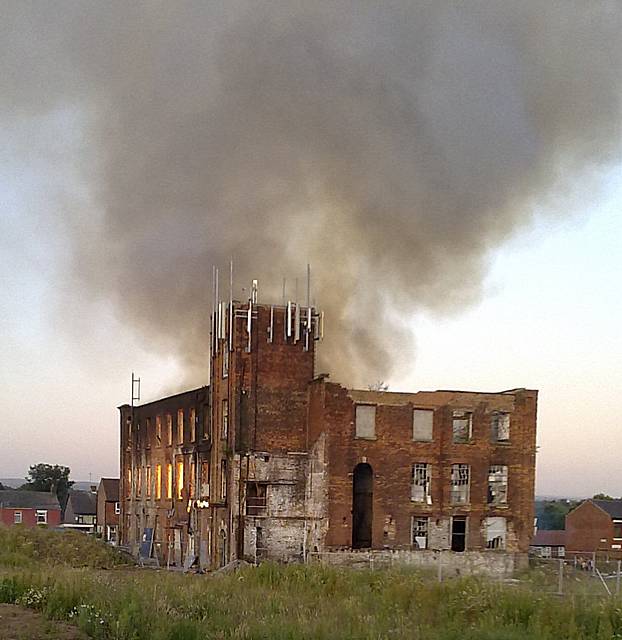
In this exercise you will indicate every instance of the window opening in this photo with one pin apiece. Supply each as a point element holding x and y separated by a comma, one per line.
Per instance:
<point>460,483</point>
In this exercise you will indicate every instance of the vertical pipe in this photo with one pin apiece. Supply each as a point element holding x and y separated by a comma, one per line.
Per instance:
<point>231,306</point>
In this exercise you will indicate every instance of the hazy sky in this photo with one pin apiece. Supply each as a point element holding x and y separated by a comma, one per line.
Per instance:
<point>510,279</point>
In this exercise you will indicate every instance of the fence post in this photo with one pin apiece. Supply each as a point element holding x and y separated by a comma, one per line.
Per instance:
<point>560,578</point>
<point>440,567</point>
<point>618,580</point>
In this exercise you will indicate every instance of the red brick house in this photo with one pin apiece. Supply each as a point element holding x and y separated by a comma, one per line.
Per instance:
<point>595,525</point>
<point>108,509</point>
<point>29,508</point>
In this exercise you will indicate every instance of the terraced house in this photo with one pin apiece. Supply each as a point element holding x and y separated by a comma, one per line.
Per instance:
<point>272,460</point>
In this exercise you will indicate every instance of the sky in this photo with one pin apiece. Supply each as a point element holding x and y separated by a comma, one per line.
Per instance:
<point>548,319</point>
<point>453,173</point>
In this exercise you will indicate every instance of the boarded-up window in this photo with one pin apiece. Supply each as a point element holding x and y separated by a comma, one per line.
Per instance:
<point>422,425</point>
<point>420,488</point>
<point>462,426</point>
<point>205,479</point>
<point>192,419</point>
<point>497,484</point>
<point>495,529</point>
<point>223,480</point>
<point>158,430</point>
<point>169,429</point>
<point>192,480</point>
<point>180,426</point>
<point>225,420</point>
<point>148,432</point>
<point>365,421</point>
<point>460,483</point>
<point>500,426</point>
<point>148,482</point>
<point>419,532</point>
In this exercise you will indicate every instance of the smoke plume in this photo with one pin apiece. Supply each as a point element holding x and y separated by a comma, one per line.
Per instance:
<point>390,144</point>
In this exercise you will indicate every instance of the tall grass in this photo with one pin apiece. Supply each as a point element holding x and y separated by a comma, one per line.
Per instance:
<point>296,601</point>
<point>22,546</point>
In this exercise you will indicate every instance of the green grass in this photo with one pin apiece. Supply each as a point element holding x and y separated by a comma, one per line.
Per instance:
<point>22,546</point>
<point>297,601</point>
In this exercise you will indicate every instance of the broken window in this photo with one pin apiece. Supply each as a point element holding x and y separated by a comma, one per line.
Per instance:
<point>139,482</point>
<point>180,479</point>
<point>421,480</point>
<point>159,430</point>
<point>158,482</point>
<point>458,533</point>
<point>42,516</point>
<point>422,425</point>
<point>148,432</point>
<point>495,530</point>
<point>225,419</point>
<point>223,480</point>
<point>180,426</point>
<point>169,429</point>
<point>169,481</point>
<point>500,426</point>
<point>17,517</point>
<point>419,539</point>
<point>256,498</point>
<point>225,363</point>
<point>462,426</point>
<point>460,483</point>
<point>117,508</point>
<point>192,419</point>
<point>365,421</point>
<point>148,482</point>
<point>128,488</point>
<point>205,479</point>
<point>497,484</point>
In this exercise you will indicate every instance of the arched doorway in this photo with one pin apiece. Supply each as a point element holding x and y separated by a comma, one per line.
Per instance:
<point>362,505</point>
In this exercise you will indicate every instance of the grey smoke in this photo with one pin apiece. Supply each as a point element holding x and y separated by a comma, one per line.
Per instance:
<point>392,145</point>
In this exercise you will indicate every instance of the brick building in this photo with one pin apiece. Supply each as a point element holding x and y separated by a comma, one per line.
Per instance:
<point>595,525</point>
<point>29,508</point>
<point>273,461</point>
<point>108,509</point>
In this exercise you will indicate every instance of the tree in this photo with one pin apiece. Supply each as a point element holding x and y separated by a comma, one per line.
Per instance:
<point>602,496</point>
<point>1,487</point>
<point>47,477</point>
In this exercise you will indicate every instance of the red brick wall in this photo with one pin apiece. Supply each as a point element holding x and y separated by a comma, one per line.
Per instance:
<point>29,517</point>
<point>586,526</point>
<point>392,453</point>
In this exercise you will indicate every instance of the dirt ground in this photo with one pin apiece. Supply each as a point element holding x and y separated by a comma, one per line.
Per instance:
<point>17,623</point>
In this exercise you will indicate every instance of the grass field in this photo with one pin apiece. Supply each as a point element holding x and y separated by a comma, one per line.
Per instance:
<point>293,602</point>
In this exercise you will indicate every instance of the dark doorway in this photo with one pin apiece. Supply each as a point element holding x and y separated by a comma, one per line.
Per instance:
<point>362,505</point>
<point>458,533</point>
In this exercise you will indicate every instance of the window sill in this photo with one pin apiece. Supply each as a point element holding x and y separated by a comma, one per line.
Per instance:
<point>365,438</point>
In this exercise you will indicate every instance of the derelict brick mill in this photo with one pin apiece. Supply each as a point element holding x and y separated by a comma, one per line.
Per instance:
<point>272,461</point>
